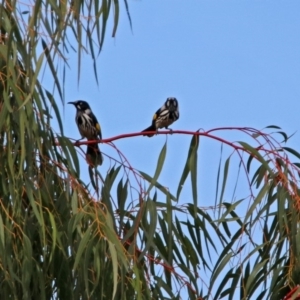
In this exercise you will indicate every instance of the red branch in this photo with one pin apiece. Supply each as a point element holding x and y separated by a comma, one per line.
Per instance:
<point>186,132</point>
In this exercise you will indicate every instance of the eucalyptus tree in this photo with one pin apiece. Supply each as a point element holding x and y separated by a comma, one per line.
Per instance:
<point>125,236</point>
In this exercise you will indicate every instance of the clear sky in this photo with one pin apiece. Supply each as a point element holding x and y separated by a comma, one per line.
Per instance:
<point>232,63</point>
<point>229,63</point>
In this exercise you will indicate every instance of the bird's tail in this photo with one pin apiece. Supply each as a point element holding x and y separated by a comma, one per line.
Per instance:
<point>93,155</point>
<point>150,128</point>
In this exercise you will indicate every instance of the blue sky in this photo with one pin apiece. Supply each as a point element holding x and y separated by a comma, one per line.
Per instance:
<point>229,63</point>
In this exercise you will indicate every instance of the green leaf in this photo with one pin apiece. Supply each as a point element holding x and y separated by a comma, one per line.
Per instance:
<point>257,155</point>
<point>116,17</point>
<point>54,235</point>
<point>253,276</point>
<point>190,166</point>
<point>160,163</point>
<point>34,80</point>
<point>273,126</point>
<point>292,151</point>
<point>257,201</point>
<point>157,185</point>
<point>82,246</point>
<point>52,68</point>
<point>193,167</point>
<point>225,173</point>
<point>114,260</point>
<point>219,268</point>
<point>285,136</point>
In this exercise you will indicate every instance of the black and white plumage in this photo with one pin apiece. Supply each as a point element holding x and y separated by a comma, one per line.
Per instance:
<point>90,129</point>
<point>164,116</point>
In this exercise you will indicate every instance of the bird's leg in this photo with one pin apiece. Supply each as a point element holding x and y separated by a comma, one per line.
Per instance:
<point>79,140</point>
<point>169,129</point>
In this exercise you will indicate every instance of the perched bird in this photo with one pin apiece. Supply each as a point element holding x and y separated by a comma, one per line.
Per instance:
<point>90,129</point>
<point>165,116</point>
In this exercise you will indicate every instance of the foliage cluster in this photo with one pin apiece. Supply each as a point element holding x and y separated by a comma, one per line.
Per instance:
<point>61,239</point>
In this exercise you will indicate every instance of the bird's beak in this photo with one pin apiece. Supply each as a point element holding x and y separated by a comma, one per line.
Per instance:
<point>172,108</point>
<point>72,103</point>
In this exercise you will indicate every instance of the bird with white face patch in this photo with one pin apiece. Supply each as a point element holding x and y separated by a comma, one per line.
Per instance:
<point>90,129</point>
<point>164,116</point>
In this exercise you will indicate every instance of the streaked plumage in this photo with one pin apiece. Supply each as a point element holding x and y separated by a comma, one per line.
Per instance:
<point>90,129</point>
<point>165,116</point>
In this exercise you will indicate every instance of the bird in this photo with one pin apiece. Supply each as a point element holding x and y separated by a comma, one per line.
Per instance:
<point>90,129</point>
<point>164,116</point>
